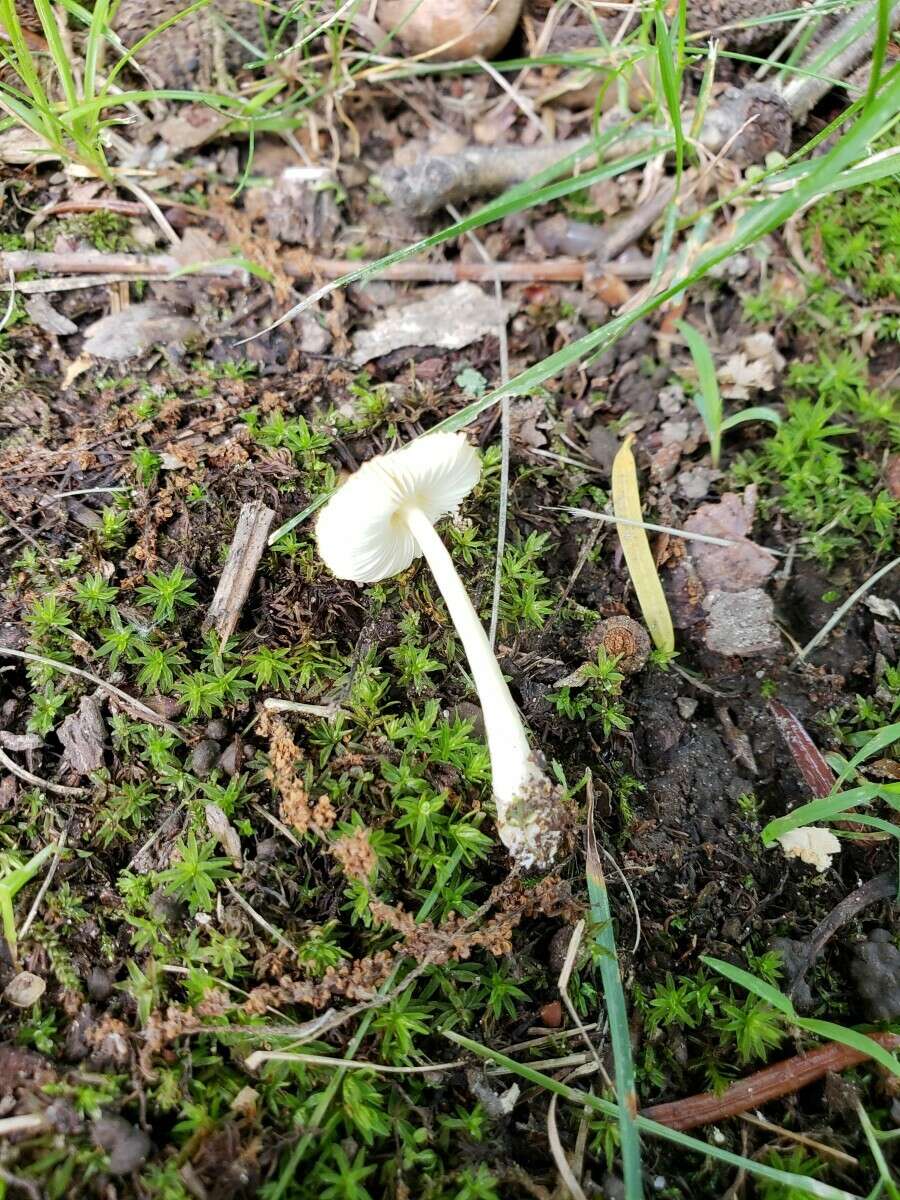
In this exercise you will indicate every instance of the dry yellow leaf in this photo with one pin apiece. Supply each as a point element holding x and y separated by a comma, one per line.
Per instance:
<point>627,503</point>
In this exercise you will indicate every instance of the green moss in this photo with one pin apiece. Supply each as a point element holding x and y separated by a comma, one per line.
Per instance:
<point>822,465</point>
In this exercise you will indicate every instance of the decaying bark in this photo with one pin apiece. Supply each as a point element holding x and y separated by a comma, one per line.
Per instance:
<point>246,550</point>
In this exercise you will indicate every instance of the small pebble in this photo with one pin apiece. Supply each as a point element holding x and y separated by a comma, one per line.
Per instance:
<point>741,623</point>
<point>25,989</point>
<point>552,1014</point>
<point>232,757</point>
<point>99,984</point>
<point>217,729</point>
<point>204,756</point>
<point>126,1145</point>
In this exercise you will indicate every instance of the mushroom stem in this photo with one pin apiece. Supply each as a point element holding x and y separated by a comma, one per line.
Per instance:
<point>512,762</point>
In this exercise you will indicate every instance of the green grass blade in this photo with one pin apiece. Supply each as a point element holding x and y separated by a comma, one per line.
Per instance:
<point>884,1171</point>
<point>826,1029</point>
<point>58,51</point>
<point>709,402</point>
<point>825,809</point>
<point>803,1184</point>
<point>616,1011</point>
<point>760,220</point>
<point>94,42</point>
<point>759,987</point>
<point>879,50</point>
<point>21,58</point>
<point>670,78</point>
<point>759,412</point>
<point>879,741</point>
<point>854,1039</point>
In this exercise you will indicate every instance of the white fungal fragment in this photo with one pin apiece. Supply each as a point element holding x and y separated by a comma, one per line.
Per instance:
<point>374,527</point>
<point>811,844</point>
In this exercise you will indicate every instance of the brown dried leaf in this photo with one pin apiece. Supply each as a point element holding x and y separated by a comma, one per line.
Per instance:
<point>736,567</point>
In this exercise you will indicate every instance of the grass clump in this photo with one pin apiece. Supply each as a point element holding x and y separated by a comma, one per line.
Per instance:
<point>812,467</point>
<point>857,235</point>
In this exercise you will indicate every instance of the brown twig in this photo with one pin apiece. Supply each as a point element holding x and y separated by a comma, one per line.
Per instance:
<point>300,265</point>
<point>803,92</point>
<point>87,262</point>
<point>746,123</point>
<point>780,1079</point>
<point>58,789</point>
<point>123,208</point>
<point>882,887</point>
<point>131,703</point>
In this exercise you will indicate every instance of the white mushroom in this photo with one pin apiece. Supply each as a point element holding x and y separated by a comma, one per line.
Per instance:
<point>373,527</point>
<point>811,844</point>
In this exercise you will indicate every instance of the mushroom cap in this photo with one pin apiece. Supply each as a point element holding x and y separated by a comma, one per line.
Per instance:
<point>361,532</point>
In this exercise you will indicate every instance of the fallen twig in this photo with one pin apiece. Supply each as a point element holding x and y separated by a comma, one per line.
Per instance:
<point>819,1147</point>
<point>749,121</point>
<point>882,887</point>
<point>45,885</point>
<point>91,262</point>
<point>57,789</point>
<point>559,234</point>
<point>26,1123</point>
<point>94,262</point>
<point>246,550</point>
<point>781,1079</point>
<point>130,702</point>
<point>300,265</point>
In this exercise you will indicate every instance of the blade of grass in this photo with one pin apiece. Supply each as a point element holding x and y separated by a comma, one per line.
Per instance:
<point>884,1171</point>
<point>879,50</point>
<point>708,1150</point>
<point>670,79</point>
<point>709,401</point>
<point>781,1003</point>
<point>878,741</point>
<point>21,59</point>
<point>616,1011</point>
<point>830,807</point>
<point>314,1134</point>
<point>58,51</point>
<point>537,190</point>
<point>93,46</point>
<point>764,217</point>
<point>758,412</point>
<point>636,548</point>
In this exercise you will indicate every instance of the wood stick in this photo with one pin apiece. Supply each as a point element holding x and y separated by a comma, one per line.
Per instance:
<point>780,1079</point>
<point>300,265</point>
<point>803,92</point>
<point>246,550</point>
<point>87,262</point>
<point>746,123</point>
